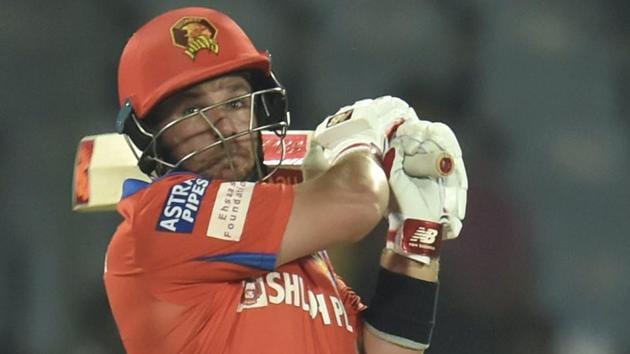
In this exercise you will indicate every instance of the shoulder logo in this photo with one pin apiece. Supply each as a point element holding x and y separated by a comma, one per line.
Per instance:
<point>181,206</point>
<point>230,210</point>
<point>194,34</point>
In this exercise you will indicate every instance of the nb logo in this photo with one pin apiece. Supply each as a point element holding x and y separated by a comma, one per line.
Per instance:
<point>424,235</point>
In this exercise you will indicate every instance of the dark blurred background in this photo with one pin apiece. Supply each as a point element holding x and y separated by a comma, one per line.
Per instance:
<point>538,93</point>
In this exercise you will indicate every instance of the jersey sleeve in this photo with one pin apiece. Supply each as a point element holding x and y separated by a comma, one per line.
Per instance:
<point>352,303</point>
<point>188,229</point>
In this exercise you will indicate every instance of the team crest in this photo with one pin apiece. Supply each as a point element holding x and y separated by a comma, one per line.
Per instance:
<point>254,294</point>
<point>194,34</point>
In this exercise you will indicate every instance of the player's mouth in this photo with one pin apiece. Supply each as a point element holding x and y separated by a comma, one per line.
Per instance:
<point>221,168</point>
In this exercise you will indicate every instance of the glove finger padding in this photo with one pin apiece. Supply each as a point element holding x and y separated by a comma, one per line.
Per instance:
<point>420,200</point>
<point>423,193</point>
<point>438,133</point>
<point>431,208</point>
<point>431,137</point>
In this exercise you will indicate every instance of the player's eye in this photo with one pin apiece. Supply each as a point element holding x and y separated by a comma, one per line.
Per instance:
<point>238,104</point>
<point>190,110</point>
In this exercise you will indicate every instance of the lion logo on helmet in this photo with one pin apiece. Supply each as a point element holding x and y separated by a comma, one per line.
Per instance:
<point>194,34</point>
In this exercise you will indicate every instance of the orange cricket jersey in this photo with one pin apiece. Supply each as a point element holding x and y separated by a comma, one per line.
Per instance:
<point>191,269</point>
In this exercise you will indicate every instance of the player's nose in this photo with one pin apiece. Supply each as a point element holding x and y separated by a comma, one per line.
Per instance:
<point>213,121</point>
<point>228,125</point>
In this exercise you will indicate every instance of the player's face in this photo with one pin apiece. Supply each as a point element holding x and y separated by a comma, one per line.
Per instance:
<point>233,159</point>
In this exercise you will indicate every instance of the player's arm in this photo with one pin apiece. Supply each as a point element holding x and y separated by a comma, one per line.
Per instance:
<point>374,344</point>
<point>341,205</point>
<point>374,340</point>
<point>344,203</point>
<point>401,315</point>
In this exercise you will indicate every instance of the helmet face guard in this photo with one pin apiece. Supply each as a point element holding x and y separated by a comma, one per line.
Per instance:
<point>267,111</point>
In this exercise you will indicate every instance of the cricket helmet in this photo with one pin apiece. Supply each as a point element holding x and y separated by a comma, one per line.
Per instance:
<point>181,48</point>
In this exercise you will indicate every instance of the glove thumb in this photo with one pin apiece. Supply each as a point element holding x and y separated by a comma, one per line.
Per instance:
<point>315,162</point>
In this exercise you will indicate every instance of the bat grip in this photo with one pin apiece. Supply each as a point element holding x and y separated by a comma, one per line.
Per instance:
<point>430,164</point>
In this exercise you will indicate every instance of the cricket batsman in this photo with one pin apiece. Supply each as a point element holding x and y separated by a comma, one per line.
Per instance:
<point>211,258</point>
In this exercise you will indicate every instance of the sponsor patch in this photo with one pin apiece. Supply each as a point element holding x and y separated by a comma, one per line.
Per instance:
<point>295,148</point>
<point>230,210</point>
<point>181,206</point>
<point>287,289</point>
<point>339,118</point>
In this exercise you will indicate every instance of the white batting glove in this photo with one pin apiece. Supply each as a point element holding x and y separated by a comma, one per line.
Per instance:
<point>431,207</point>
<point>366,123</point>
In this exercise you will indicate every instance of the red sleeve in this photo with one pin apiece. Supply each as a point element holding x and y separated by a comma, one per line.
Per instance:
<point>188,229</point>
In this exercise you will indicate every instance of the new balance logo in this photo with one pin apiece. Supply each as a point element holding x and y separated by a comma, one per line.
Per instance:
<point>424,235</point>
<point>421,237</point>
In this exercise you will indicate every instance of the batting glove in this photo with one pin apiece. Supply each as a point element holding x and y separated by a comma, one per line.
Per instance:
<point>366,123</point>
<point>431,207</point>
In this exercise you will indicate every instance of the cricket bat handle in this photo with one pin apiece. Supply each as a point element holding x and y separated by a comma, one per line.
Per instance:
<point>430,164</point>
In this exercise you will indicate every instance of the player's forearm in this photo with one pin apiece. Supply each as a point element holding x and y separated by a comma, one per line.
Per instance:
<point>401,316</point>
<point>340,205</point>
<point>357,184</point>
<point>403,265</point>
<point>375,345</point>
<point>360,172</point>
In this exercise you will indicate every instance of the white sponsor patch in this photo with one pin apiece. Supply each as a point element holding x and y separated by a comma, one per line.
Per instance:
<point>230,210</point>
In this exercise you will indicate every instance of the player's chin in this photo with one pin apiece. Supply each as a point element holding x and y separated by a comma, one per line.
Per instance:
<point>240,171</point>
<point>232,175</point>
